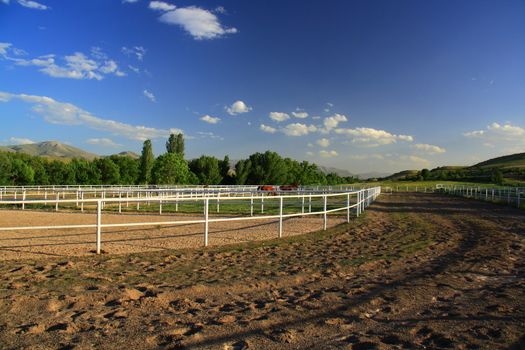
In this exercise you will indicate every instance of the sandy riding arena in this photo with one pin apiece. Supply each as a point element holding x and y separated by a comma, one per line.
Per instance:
<point>416,271</point>
<point>81,241</point>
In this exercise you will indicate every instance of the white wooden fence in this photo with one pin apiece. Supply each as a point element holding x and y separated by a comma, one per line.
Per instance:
<point>514,196</point>
<point>356,200</point>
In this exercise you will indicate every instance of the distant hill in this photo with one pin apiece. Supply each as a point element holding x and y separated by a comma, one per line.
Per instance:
<point>511,161</point>
<point>50,149</point>
<point>129,154</point>
<point>372,175</point>
<point>340,172</point>
<point>401,175</point>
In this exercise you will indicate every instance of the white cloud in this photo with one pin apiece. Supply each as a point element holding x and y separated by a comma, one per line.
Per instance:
<point>62,113</point>
<point>209,135</point>
<point>300,115</point>
<point>77,65</point>
<point>333,121</point>
<point>134,69</point>
<point>149,95</point>
<point>323,142</point>
<point>415,160</point>
<point>429,149</point>
<point>161,6</point>
<point>328,154</point>
<point>267,129</point>
<point>279,116</point>
<point>372,137</point>
<point>32,5</point>
<point>105,142</point>
<point>199,23</point>
<point>137,51</point>
<point>209,119</point>
<point>18,141</point>
<point>238,107</point>
<point>298,129</point>
<point>310,154</point>
<point>129,1</point>
<point>507,137</point>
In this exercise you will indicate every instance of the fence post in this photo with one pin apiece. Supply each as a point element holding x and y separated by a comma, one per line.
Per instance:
<point>119,202</point>
<point>160,205</point>
<point>206,202</point>
<point>23,200</point>
<point>348,207</point>
<point>99,221</point>
<point>262,203</point>
<point>218,201</point>
<point>280,217</point>
<point>56,204</point>
<point>251,205</point>
<point>302,204</point>
<point>325,219</point>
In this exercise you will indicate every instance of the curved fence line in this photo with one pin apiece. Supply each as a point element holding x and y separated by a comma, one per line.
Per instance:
<point>509,195</point>
<point>356,200</point>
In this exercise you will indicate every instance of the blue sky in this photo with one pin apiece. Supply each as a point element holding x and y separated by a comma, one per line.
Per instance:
<point>358,85</point>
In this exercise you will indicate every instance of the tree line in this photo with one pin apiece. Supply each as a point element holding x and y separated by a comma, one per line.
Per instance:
<point>170,168</point>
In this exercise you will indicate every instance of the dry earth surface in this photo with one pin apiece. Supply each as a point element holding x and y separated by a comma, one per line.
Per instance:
<point>417,271</point>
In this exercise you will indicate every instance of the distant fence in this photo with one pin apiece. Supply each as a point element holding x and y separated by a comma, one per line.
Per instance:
<point>514,196</point>
<point>113,197</point>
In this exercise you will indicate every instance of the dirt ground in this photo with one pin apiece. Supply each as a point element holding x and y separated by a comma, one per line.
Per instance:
<point>34,244</point>
<point>418,271</point>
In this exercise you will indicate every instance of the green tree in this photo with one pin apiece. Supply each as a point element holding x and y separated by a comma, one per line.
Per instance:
<point>170,169</point>
<point>85,172</point>
<point>180,145</point>
<point>21,173</point>
<point>5,169</point>
<point>38,165</point>
<point>207,170</point>
<point>109,171</point>
<point>146,162</point>
<point>242,171</point>
<point>425,173</point>
<point>128,168</point>
<point>267,168</point>
<point>171,144</point>
<point>497,177</point>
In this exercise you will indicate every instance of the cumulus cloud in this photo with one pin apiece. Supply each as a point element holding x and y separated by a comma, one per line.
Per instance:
<point>199,23</point>
<point>509,138</point>
<point>31,4</point>
<point>149,95</point>
<point>209,135</point>
<point>268,129</point>
<point>429,149</point>
<point>209,119</point>
<point>279,116</point>
<point>238,107</point>
<point>333,121</point>
<point>323,142</point>
<point>372,137</point>
<point>18,141</point>
<point>75,66</point>
<point>300,114</point>
<point>63,113</point>
<point>298,129</point>
<point>105,142</point>
<point>136,51</point>
<point>161,6</point>
<point>328,154</point>
<point>415,160</point>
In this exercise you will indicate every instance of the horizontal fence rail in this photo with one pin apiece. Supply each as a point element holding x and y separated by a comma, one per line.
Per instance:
<point>514,196</point>
<point>113,198</point>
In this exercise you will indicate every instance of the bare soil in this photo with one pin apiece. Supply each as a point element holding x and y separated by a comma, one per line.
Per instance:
<point>34,244</point>
<point>417,271</point>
